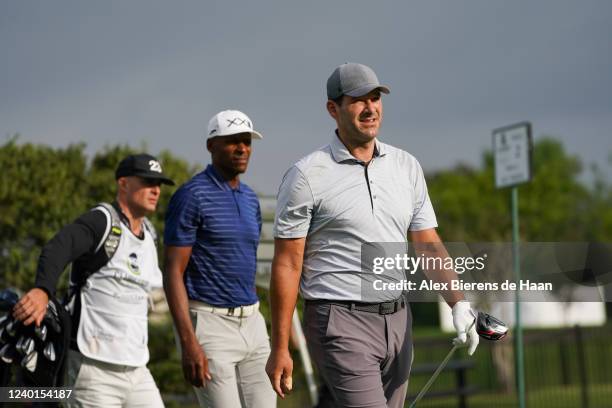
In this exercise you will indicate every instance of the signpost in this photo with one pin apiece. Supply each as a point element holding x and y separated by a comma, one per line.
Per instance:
<point>512,148</point>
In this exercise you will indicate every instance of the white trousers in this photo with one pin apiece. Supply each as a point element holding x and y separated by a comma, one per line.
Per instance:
<point>98,384</point>
<point>237,349</point>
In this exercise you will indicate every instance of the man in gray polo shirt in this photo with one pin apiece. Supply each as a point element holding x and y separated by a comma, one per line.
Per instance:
<point>354,191</point>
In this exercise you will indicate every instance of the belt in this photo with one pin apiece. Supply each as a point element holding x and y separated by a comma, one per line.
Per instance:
<point>238,311</point>
<point>383,308</point>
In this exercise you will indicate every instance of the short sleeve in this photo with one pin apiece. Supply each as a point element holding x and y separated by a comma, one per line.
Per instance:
<point>423,215</point>
<point>294,205</point>
<point>182,219</point>
<point>259,220</point>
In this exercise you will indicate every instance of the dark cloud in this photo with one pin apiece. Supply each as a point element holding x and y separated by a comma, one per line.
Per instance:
<point>108,72</point>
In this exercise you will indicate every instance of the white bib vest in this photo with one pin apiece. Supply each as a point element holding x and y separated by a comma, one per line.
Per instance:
<point>114,303</point>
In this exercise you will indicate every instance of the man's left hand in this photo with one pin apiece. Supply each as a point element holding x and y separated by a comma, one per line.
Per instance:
<point>463,320</point>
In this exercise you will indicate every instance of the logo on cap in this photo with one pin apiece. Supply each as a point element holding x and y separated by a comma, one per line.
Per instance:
<point>231,122</point>
<point>238,122</point>
<point>155,166</point>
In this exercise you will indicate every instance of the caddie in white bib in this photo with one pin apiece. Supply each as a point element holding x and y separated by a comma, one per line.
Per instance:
<point>114,303</point>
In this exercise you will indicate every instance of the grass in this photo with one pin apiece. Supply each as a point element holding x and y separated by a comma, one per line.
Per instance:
<point>600,396</point>
<point>551,359</point>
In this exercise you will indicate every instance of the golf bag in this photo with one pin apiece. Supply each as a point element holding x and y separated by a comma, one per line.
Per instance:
<point>38,354</point>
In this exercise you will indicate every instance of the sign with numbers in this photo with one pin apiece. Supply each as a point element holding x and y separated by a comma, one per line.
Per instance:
<point>512,147</point>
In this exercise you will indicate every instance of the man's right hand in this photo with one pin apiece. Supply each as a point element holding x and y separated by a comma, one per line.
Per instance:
<point>32,307</point>
<point>279,369</point>
<point>195,364</point>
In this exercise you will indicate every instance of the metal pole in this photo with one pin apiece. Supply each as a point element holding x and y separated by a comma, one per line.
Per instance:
<point>306,362</point>
<point>584,384</point>
<point>520,368</point>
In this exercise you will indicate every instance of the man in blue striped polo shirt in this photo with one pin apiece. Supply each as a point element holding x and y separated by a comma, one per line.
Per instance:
<point>212,231</point>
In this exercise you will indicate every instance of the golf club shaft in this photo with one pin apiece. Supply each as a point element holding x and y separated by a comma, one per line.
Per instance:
<point>438,370</point>
<point>434,376</point>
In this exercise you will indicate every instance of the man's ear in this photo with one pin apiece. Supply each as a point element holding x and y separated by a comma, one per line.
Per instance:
<point>332,108</point>
<point>122,183</point>
<point>209,144</point>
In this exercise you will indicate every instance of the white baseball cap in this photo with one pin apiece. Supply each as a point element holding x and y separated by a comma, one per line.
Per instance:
<point>231,122</point>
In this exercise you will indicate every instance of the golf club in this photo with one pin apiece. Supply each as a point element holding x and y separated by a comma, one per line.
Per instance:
<point>29,361</point>
<point>490,328</point>
<point>7,353</point>
<point>487,327</point>
<point>28,346</point>
<point>11,328</point>
<point>19,344</point>
<point>52,318</point>
<point>49,352</point>
<point>41,332</point>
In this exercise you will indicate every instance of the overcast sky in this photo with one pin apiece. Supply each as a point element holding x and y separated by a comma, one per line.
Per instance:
<point>109,72</point>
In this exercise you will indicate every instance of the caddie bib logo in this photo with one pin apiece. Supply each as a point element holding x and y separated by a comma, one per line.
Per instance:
<point>133,264</point>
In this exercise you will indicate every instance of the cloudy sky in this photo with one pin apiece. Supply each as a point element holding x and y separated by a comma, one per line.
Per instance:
<point>135,71</point>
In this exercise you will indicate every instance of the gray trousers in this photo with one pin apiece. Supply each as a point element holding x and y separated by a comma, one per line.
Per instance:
<point>363,358</point>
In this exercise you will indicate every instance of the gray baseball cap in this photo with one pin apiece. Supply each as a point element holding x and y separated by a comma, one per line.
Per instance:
<point>353,79</point>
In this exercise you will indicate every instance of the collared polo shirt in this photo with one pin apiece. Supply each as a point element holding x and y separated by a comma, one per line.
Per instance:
<point>339,203</point>
<point>222,225</point>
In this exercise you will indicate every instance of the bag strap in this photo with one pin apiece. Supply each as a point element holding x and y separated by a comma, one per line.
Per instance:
<point>112,235</point>
<point>151,228</point>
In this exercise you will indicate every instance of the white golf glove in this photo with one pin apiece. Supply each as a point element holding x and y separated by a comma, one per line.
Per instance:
<point>463,317</point>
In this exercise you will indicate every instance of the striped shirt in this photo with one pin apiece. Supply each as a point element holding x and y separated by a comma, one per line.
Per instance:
<point>222,225</point>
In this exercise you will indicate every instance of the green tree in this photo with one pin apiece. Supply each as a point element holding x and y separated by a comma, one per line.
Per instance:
<point>600,212</point>
<point>44,188</point>
<point>41,189</point>
<point>554,206</point>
